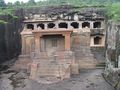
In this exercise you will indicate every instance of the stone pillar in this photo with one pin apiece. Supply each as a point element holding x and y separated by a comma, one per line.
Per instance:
<point>103,25</point>
<point>91,25</point>
<point>80,25</point>
<point>91,41</point>
<point>23,45</point>
<point>33,71</point>
<point>42,44</point>
<point>74,68</point>
<point>103,41</point>
<point>67,41</point>
<point>69,25</point>
<point>37,43</point>
<point>56,25</point>
<point>46,27</point>
<point>35,26</point>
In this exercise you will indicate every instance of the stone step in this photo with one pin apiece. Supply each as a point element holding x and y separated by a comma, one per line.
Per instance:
<point>84,57</point>
<point>87,66</point>
<point>87,63</point>
<point>82,52</point>
<point>51,69</point>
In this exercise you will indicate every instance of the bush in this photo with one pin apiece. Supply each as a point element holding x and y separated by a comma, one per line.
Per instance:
<point>2,22</point>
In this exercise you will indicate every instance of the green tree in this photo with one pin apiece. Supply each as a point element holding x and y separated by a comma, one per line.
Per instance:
<point>31,2</point>
<point>9,5</point>
<point>17,3</point>
<point>2,4</point>
<point>113,11</point>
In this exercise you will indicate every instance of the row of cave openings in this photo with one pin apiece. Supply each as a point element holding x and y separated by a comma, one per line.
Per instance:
<point>75,25</point>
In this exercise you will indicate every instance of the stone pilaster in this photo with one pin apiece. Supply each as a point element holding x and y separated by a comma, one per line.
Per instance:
<point>69,25</point>
<point>80,25</point>
<point>91,25</point>
<point>23,45</point>
<point>35,26</point>
<point>103,25</point>
<point>33,71</point>
<point>45,26</point>
<point>37,43</point>
<point>56,25</point>
<point>67,41</point>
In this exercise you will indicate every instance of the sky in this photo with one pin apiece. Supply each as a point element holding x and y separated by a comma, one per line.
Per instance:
<point>19,0</point>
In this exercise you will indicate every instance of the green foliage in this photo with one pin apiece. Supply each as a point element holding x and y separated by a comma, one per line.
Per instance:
<point>79,2</point>
<point>17,3</point>
<point>9,5</point>
<point>2,4</point>
<point>31,2</point>
<point>9,12</point>
<point>112,6</point>
<point>2,22</point>
<point>6,12</point>
<point>113,11</point>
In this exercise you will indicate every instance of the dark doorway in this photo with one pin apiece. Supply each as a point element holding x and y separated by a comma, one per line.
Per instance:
<point>97,40</point>
<point>75,25</point>
<point>85,24</point>
<point>63,25</point>
<point>42,26</point>
<point>97,25</point>
<point>51,25</point>
<point>30,26</point>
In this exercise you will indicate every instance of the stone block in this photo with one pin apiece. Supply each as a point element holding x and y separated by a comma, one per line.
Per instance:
<point>66,73</point>
<point>74,68</point>
<point>33,71</point>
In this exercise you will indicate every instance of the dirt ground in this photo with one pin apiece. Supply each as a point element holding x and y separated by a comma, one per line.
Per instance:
<point>86,80</point>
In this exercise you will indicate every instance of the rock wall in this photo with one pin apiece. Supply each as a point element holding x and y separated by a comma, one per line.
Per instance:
<point>98,53</point>
<point>111,35</point>
<point>2,42</point>
<point>113,77</point>
<point>112,71</point>
<point>112,40</point>
<point>10,41</point>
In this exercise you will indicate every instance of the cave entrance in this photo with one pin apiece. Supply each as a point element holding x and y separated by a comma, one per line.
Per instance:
<point>97,40</point>
<point>51,25</point>
<point>41,26</point>
<point>97,25</point>
<point>85,25</point>
<point>63,25</point>
<point>75,25</point>
<point>30,26</point>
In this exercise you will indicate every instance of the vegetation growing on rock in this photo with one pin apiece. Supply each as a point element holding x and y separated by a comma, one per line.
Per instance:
<point>112,6</point>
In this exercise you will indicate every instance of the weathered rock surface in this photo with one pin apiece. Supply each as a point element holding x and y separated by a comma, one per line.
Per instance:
<point>87,80</point>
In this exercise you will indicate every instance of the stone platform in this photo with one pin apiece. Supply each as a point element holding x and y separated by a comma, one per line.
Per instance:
<point>60,66</point>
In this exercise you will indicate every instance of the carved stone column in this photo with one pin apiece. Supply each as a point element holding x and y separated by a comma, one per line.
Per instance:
<point>37,43</point>
<point>46,27</point>
<point>33,71</point>
<point>67,41</point>
<point>69,25</point>
<point>23,45</point>
<point>91,25</point>
<point>35,26</point>
<point>80,25</point>
<point>56,25</point>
